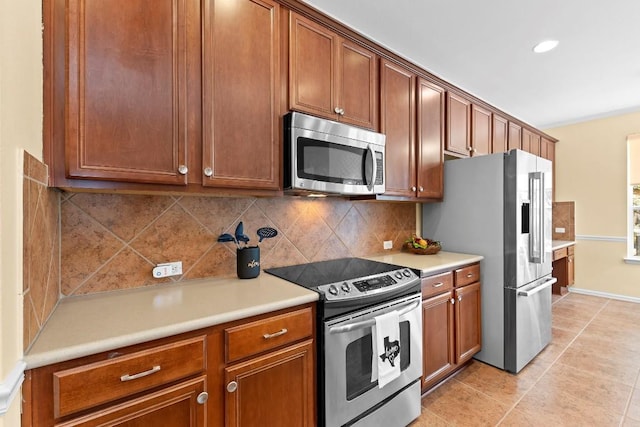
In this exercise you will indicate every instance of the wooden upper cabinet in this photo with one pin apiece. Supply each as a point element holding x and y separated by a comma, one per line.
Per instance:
<point>499,132</point>
<point>547,149</point>
<point>515,136</point>
<point>397,122</point>
<point>430,144</point>
<point>126,93</point>
<point>530,142</point>
<point>480,131</point>
<point>330,76</point>
<point>241,89</point>
<point>458,124</point>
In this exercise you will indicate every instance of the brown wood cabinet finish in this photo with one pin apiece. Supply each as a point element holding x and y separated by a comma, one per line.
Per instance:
<point>397,122</point>
<point>241,88</point>
<point>330,76</point>
<point>515,136</point>
<point>127,99</point>
<point>175,406</point>
<point>438,349</point>
<point>276,389</point>
<point>458,124</point>
<point>431,108</point>
<point>499,134</point>
<point>530,142</point>
<point>452,327</point>
<point>563,269</point>
<point>481,132</point>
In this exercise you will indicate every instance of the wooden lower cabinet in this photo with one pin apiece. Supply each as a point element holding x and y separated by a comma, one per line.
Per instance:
<point>187,380</point>
<point>177,406</point>
<point>451,328</point>
<point>563,269</point>
<point>276,389</point>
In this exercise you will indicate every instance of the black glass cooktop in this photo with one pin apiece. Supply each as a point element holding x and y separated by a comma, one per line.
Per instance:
<point>315,274</point>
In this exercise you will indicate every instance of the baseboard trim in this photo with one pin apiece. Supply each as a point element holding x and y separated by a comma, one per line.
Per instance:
<point>603,294</point>
<point>11,385</point>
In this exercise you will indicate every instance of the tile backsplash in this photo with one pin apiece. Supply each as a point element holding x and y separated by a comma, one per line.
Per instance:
<point>112,241</point>
<point>41,248</point>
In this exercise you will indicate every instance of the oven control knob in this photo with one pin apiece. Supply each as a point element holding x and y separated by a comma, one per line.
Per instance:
<point>406,273</point>
<point>345,287</point>
<point>398,275</point>
<point>333,290</point>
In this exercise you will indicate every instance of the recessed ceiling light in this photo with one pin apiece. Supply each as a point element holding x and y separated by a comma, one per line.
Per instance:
<point>545,46</point>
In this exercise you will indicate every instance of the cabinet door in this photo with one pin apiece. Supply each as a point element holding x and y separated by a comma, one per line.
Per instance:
<point>241,86</point>
<point>127,103</point>
<point>458,124</point>
<point>312,71</point>
<point>515,136</point>
<point>438,356</point>
<point>175,406</point>
<point>468,322</point>
<point>358,90</point>
<point>530,142</point>
<point>277,389</point>
<point>570,270</point>
<point>430,144</point>
<point>397,122</point>
<point>547,149</point>
<point>499,132</point>
<point>480,131</point>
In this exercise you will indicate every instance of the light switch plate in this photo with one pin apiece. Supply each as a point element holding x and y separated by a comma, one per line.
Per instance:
<point>167,269</point>
<point>387,244</point>
<point>560,230</point>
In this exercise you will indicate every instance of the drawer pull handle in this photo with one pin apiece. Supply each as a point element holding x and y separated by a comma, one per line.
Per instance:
<point>128,377</point>
<point>469,275</point>
<point>437,285</point>
<point>275,334</point>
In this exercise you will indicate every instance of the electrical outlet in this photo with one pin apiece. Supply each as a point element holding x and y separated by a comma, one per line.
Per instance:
<point>167,269</point>
<point>387,244</point>
<point>560,230</point>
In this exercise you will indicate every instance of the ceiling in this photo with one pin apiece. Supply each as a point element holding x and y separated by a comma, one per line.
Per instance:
<point>485,48</point>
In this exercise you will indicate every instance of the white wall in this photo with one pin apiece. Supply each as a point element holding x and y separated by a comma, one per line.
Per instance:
<point>20,129</point>
<point>591,170</point>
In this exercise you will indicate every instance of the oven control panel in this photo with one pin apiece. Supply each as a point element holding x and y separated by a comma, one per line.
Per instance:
<point>370,285</point>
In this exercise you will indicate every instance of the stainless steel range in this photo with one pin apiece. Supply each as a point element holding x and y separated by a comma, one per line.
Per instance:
<point>354,294</point>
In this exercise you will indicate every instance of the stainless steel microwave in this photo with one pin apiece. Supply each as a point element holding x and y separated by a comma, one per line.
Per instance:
<point>322,156</point>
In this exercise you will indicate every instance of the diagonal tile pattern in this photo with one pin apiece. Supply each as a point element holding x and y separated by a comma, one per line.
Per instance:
<point>589,375</point>
<point>112,241</point>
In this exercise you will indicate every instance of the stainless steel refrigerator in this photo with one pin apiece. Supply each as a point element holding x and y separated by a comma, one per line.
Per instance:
<point>499,206</point>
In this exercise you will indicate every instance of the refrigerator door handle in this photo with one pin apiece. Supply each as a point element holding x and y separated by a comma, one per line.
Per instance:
<point>538,288</point>
<point>536,217</point>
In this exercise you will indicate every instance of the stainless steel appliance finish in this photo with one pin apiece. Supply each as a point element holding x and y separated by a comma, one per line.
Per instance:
<point>499,206</point>
<point>353,292</point>
<point>349,392</point>
<point>323,156</point>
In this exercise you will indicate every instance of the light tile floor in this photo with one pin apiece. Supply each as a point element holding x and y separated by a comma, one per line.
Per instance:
<point>587,376</point>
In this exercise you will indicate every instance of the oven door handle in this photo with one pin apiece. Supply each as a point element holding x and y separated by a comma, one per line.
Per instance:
<point>370,322</point>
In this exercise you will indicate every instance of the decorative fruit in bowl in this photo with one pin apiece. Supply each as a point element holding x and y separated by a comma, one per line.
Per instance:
<point>422,245</point>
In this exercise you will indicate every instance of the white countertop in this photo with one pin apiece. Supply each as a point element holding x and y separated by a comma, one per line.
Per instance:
<point>428,264</point>
<point>86,325</point>
<point>559,244</point>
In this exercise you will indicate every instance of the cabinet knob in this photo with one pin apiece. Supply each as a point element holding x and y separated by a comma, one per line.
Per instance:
<point>339,111</point>
<point>342,111</point>
<point>183,169</point>
<point>202,398</point>
<point>232,386</point>
<point>421,188</point>
<point>469,149</point>
<point>452,301</point>
<point>459,297</point>
<point>208,172</point>
<point>413,188</point>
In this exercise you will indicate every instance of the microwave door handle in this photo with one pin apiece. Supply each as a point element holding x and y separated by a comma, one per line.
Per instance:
<point>374,168</point>
<point>369,322</point>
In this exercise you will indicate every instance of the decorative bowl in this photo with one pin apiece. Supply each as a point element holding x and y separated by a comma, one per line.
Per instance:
<point>429,250</point>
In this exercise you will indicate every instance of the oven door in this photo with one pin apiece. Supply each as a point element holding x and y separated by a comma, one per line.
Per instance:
<point>349,391</point>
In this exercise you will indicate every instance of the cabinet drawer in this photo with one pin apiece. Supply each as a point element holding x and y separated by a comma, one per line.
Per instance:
<point>261,335</point>
<point>467,275</point>
<point>101,382</point>
<point>570,250</point>
<point>559,253</point>
<point>434,285</point>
